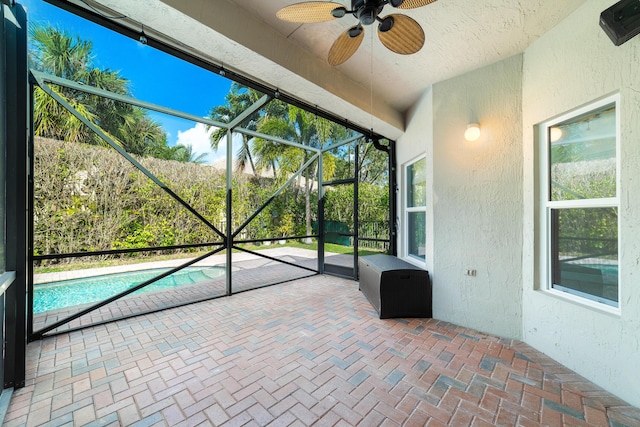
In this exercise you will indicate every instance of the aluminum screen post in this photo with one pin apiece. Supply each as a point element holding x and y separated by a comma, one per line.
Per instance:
<point>15,114</point>
<point>393,200</point>
<point>356,212</point>
<point>320,215</point>
<point>229,228</point>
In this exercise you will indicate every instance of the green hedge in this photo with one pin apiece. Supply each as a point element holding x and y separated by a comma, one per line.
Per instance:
<point>90,198</point>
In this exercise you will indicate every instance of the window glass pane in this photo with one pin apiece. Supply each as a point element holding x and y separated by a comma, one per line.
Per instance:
<point>583,156</point>
<point>585,252</point>
<point>417,233</point>
<point>417,184</point>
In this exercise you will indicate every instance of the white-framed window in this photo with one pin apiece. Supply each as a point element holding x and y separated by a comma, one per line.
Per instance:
<point>580,202</point>
<point>415,209</point>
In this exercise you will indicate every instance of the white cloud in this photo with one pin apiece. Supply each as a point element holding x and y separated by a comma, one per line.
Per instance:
<point>198,138</point>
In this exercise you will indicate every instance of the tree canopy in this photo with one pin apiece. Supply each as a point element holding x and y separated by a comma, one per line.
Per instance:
<point>55,51</point>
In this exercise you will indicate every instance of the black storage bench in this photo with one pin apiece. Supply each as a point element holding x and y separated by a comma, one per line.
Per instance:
<point>395,287</point>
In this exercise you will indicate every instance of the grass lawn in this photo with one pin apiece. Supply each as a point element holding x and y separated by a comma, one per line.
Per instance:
<point>83,264</point>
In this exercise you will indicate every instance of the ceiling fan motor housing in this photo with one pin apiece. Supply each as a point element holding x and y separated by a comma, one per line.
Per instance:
<point>367,10</point>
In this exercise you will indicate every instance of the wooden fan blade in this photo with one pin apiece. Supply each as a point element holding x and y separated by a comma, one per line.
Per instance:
<point>412,4</point>
<point>308,12</point>
<point>344,47</point>
<point>405,36</point>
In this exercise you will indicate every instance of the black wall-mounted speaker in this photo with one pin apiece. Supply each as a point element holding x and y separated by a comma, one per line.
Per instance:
<point>621,21</point>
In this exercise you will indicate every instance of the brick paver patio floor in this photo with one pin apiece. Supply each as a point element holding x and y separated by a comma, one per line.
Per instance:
<point>307,352</point>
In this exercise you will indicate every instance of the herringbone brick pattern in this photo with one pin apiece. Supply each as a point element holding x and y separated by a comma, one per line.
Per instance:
<point>246,275</point>
<point>309,352</point>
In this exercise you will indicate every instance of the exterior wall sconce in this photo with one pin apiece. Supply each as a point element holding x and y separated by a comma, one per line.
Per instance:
<point>473,132</point>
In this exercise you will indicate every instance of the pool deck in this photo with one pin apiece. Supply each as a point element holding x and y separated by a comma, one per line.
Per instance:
<point>248,272</point>
<point>307,352</point>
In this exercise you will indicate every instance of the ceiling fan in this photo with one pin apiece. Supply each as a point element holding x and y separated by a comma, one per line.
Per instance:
<point>399,33</point>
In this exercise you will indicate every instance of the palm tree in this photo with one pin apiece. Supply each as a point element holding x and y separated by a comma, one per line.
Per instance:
<point>142,135</point>
<point>237,100</point>
<point>373,165</point>
<point>304,128</point>
<point>184,153</point>
<point>56,52</point>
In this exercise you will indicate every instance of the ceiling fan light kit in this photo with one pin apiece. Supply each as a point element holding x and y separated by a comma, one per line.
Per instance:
<point>386,24</point>
<point>397,32</point>
<point>354,31</point>
<point>339,12</point>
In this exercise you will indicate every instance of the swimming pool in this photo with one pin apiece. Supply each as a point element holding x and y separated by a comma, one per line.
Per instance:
<point>67,293</point>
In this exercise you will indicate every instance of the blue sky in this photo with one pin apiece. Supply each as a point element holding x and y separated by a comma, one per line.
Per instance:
<point>155,76</point>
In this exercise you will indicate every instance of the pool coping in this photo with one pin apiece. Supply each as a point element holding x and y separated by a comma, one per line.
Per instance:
<point>212,261</point>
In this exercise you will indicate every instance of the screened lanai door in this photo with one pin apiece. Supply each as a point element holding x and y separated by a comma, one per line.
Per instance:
<point>355,215</point>
<point>340,231</point>
<point>338,219</point>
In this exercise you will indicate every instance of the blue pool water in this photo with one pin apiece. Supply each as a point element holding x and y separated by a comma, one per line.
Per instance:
<point>609,272</point>
<point>67,293</point>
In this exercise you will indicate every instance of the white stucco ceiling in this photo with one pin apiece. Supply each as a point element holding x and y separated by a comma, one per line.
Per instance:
<point>246,36</point>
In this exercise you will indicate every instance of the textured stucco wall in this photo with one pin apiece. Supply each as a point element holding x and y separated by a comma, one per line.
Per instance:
<point>572,65</point>
<point>416,143</point>
<point>478,199</point>
<point>474,217</point>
